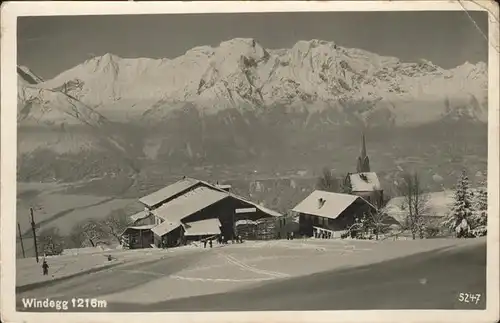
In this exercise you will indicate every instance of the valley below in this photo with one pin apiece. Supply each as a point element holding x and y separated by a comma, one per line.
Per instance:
<point>72,185</point>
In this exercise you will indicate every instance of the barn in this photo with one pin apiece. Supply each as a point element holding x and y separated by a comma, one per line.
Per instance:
<point>192,209</point>
<point>327,214</point>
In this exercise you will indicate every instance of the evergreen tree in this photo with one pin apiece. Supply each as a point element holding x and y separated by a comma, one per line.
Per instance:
<point>346,186</point>
<point>480,203</point>
<point>461,214</point>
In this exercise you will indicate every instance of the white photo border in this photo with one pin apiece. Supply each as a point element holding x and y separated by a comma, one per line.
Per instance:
<point>10,12</point>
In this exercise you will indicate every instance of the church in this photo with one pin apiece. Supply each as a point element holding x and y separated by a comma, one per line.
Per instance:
<point>364,182</point>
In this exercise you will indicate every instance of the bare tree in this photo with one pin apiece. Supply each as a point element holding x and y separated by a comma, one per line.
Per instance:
<point>114,224</point>
<point>377,220</point>
<point>88,230</point>
<point>328,182</point>
<point>415,203</point>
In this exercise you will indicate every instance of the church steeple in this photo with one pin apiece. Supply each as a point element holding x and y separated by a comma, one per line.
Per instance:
<point>363,160</point>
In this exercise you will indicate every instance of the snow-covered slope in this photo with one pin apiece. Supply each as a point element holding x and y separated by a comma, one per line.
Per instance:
<point>311,76</point>
<point>438,205</point>
<point>49,119</point>
<point>39,106</point>
<point>26,76</point>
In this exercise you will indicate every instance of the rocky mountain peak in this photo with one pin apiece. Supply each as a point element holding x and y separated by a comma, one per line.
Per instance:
<point>241,74</point>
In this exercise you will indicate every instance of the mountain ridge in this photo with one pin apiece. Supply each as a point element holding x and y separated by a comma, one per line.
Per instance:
<point>240,73</point>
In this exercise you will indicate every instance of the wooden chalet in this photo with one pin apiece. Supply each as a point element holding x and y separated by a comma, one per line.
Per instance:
<point>191,209</point>
<point>330,214</point>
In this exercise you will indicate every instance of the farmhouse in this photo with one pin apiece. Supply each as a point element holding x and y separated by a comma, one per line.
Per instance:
<point>192,209</point>
<point>329,214</point>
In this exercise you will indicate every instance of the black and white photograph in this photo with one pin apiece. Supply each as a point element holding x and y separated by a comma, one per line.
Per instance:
<point>256,160</point>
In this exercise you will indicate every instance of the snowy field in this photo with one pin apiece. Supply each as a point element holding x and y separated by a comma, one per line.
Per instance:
<point>75,261</point>
<point>153,275</point>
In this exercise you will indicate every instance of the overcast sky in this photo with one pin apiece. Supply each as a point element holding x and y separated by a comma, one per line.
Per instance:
<point>50,45</point>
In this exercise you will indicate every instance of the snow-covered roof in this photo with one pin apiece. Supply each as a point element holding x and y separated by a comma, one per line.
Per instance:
<point>168,192</point>
<point>326,204</point>
<point>139,227</point>
<point>139,216</point>
<point>256,205</point>
<point>203,227</point>
<point>192,198</point>
<point>189,203</point>
<point>165,227</point>
<point>438,205</point>
<point>364,182</point>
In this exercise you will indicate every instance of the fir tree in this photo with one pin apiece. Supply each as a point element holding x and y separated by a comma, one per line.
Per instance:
<point>462,212</point>
<point>346,186</point>
<point>480,203</point>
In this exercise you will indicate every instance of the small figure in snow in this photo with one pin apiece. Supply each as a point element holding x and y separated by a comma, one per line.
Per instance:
<point>210,242</point>
<point>45,268</point>
<point>204,243</point>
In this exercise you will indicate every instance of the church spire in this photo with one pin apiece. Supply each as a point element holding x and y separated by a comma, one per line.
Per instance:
<point>363,160</point>
<point>363,147</point>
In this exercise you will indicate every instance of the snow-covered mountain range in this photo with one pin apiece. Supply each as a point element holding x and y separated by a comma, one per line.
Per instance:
<point>240,74</point>
<point>238,101</point>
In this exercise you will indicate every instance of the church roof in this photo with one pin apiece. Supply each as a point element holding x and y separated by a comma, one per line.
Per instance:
<point>364,182</point>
